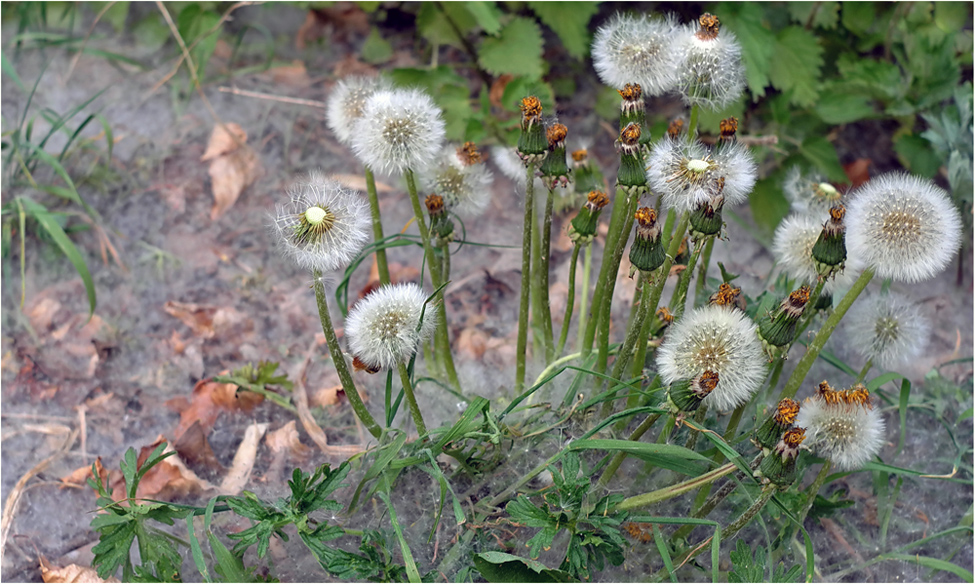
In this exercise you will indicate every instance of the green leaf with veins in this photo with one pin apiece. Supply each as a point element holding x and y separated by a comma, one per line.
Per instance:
<point>569,20</point>
<point>516,51</point>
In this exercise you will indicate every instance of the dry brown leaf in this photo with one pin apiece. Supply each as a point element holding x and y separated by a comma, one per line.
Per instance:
<point>230,174</point>
<point>225,138</point>
<point>285,440</point>
<point>166,480</point>
<point>197,317</point>
<point>79,477</point>
<point>358,182</point>
<point>208,400</point>
<point>327,396</point>
<point>351,65</point>
<point>240,470</point>
<point>293,75</point>
<point>69,574</point>
<point>195,449</point>
<point>472,342</point>
<point>497,89</point>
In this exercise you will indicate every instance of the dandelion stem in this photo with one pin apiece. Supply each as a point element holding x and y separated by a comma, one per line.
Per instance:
<point>749,513</point>
<point>864,371</point>
<point>702,274</point>
<point>632,334</point>
<point>377,227</point>
<point>620,456</point>
<point>817,344</point>
<point>615,228</point>
<point>692,124</point>
<point>338,359</point>
<point>609,283</point>
<point>569,302</point>
<point>679,299</point>
<point>436,276</point>
<point>545,314</point>
<point>526,262</point>
<point>658,285</point>
<point>584,296</point>
<point>647,499</point>
<point>404,377</point>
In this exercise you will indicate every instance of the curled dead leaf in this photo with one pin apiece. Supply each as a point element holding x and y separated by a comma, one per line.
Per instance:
<point>206,403</point>
<point>69,574</point>
<point>225,138</point>
<point>285,440</point>
<point>240,470</point>
<point>79,477</point>
<point>230,174</point>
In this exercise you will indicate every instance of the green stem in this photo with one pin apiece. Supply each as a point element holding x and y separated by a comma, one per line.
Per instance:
<point>702,275</point>
<point>584,297</point>
<point>602,280</point>
<point>658,286</point>
<point>817,344</point>
<point>679,299</point>
<point>377,227</point>
<point>864,371</point>
<point>749,513</point>
<point>692,124</point>
<point>620,456</point>
<point>647,499</point>
<point>442,339</point>
<point>404,377</point>
<point>545,316</point>
<point>526,263</point>
<point>569,302</point>
<point>339,360</point>
<point>609,283</point>
<point>632,334</point>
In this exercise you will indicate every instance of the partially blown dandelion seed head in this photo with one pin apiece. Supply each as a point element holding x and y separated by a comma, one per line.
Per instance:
<point>689,175</point>
<point>847,431</point>
<point>810,193</point>
<point>464,186</point>
<point>903,226</point>
<point>384,328</point>
<point>715,339</point>
<point>637,49</point>
<point>346,103</point>
<point>792,247</point>
<point>711,73</point>
<point>889,329</point>
<point>399,130</point>
<point>323,225</point>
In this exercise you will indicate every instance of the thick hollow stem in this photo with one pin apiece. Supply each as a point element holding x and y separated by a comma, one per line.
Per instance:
<point>609,283</point>
<point>658,285</point>
<point>702,274</point>
<point>526,263</point>
<point>404,377</point>
<point>817,344</point>
<point>545,316</point>
<point>615,232</point>
<point>569,302</point>
<point>679,299</point>
<point>339,360</point>
<point>377,226</point>
<point>584,295</point>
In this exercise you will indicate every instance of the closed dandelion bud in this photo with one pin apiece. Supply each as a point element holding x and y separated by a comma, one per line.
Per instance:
<point>554,169</point>
<point>632,175</point>
<point>792,247</point>
<point>532,145</point>
<point>323,226</point>
<point>779,466</point>
<point>842,426</point>
<point>903,226</point>
<point>706,219</point>
<point>711,73</point>
<point>441,226</point>
<point>829,251</point>
<point>769,434</point>
<point>385,328</point>
<point>585,175</point>
<point>713,338</point>
<point>633,110</point>
<point>778,327</point>
<point>583,227</point>
<point>646,253</point>
<point>686,395</point>
<point>727,296</point>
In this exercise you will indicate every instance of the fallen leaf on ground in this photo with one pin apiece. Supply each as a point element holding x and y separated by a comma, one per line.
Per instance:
<point>327,396</point>
<point>293,75</point>
<point>194,447</point>
<point>205,321</point>
<point>207,401</point>
<point>79,477</point>
<point>230,174</point>
<point>224,139</point>
<point>166,480</point>
<point>70,574</point>
<point>285,440</point>
<point>240,470</point>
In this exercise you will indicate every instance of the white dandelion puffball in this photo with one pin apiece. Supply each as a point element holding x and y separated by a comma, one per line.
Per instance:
<point>714,338</point>
<point>399,130</point>
<point>690,174</point>
<point>889,329</point>
<point>637,49</point>
<point>792,247</point>
<point>847,434</point>
<point>810,193</point>
<point>902,226</point>
<point>323,225</point>
<point>384,328</point>
<point>347,101</point>
<point>511,166</point>
<point>465,187</point>
<point>711,73</point>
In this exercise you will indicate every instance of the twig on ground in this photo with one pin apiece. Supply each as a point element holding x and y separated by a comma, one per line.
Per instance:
<point>272,97</point>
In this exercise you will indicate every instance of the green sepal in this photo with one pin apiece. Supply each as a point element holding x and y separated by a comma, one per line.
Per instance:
<point>584,224</point>
<point>632,172</point>
<point>638,117</point>
<point>682,398</point>
<point>704,224</point>
<point>532,141</point>
<point>647,254</point>
<point>769,434</point>
<point>555,165</point>
<point>777,471</point>
<point>778,328</point>
<point>830,250</point>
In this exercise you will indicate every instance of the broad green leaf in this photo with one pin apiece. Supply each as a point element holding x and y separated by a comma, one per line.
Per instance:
<point>879,79</point>
<point>768,204</point>
<point>516,51</point>
<point>838,107</point>
<point>745,19</point>
<point>917,155</point>
<point>193,23</point>
<point>796,66</point>
<point>826,13</point>
<point>521,87</point>
<point>822,154</point>
<point>376,49</point>
<point>487,16</point>
<point>152,33</point>
<point>858,17</point>
<point>433,24</point>
<point>952,16</point>
<point>114,15</point>
<point>669,456</point>
<point>569,20</point>
<point>502,567</point>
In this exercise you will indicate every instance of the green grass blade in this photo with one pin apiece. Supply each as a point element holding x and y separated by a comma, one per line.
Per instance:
<point>197,551</point>
<point>47,222</point>
<point>658,539</point>
<point>411,571</point>
<point>72,193</point>
<point>669,456</point>
<point>11,71</point>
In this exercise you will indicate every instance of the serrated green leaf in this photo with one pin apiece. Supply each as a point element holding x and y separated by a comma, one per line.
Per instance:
<point>433,24</point>
<point>520,87</point>
<point>858,17</point>
<point>524,511</point>
<point>745,19</point>
<point>796,66</point>
<point>517,50</point>
<point>769,206</point>
<point>570,21</point>
<point>376,49</point>
<point>487,15</point>
<point>502,567</point>
<point>822,154</point>
<point>917,155</point>
<point>838,107</point>
<point>879,79</point>
<point>826,13</point>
